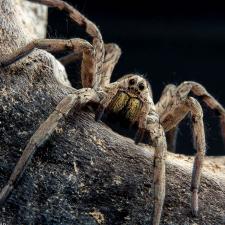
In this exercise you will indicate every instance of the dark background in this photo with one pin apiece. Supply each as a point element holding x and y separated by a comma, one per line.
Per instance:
<point>167,41</point>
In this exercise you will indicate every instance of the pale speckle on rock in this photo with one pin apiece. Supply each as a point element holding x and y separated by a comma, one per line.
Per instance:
<point>99,217</point>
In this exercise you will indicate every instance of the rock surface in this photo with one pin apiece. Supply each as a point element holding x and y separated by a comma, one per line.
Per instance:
<point>86,173</point>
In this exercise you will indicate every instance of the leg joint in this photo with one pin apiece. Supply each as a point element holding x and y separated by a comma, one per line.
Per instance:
<point>85,45</point>
<point>195,108</point>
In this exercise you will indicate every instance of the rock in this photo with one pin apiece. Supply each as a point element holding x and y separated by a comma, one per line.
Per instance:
<point>86,173</point>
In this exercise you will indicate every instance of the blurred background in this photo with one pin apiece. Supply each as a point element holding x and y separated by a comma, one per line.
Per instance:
<point>167,42</point>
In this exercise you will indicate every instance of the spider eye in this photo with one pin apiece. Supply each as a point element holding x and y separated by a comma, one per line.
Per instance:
<point>131,82</point>
<point>141,86</point>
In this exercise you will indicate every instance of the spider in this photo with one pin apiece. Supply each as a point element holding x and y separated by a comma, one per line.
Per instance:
<point>131,94</point>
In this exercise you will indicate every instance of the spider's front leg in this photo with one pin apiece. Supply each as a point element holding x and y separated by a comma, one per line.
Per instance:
<point>132,94</point>
<point>149,121</point>
<point>158,140</point>
<point>42,134</point>
<point>200,145</point>
<point>90,28</point>
<point>80,46</point>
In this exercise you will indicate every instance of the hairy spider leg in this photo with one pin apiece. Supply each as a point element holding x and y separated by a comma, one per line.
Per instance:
<point>112,55</point>
<point>158,141</point>
<point>174,106</point>
<point>45,130</point>
<point>88,66</point>
<point>89,27</point>
<point>184,89</point>
<point>148,120</point>
<point>70,58</point>
<point>176,113</point>
<point>166,96</point>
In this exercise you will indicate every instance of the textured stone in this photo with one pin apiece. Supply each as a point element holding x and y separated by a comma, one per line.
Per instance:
<point>86,173</point>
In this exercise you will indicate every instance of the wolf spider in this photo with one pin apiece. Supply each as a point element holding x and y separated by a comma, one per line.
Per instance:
<point>131,93</point>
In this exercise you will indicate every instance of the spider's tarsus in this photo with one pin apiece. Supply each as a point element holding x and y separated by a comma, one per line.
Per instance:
<point>194,213</point>
<point>5,193</point>
<point>194,202</point>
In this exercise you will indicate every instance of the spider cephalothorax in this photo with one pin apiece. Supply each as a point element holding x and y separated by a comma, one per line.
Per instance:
<point>131,95</point>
